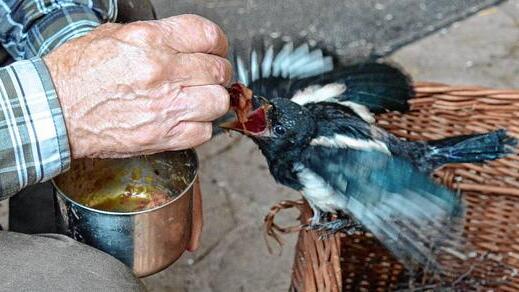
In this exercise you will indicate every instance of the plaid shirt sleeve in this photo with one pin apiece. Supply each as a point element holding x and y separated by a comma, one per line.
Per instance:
<point>33,139</point>
<point>31,28</point>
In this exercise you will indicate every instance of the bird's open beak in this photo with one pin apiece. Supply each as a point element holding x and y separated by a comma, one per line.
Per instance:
<point>249,121</point>
<point>256,123</point>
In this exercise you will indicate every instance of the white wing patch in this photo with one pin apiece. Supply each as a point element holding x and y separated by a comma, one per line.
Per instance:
<point>318,93</point>
<point>328,93</point>
<point>343,141</point>
<point>318,192</point>
<point>360,110</point>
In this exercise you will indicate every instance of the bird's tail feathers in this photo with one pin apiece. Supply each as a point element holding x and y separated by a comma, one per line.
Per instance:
<point>469,148</point>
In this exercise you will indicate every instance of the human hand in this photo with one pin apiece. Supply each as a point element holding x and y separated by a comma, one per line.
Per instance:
<point>143,87</point>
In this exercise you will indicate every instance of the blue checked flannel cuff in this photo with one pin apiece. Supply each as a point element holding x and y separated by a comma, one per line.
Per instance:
<point>59,27</point>
<point>33,145</point>
<point>30,28</point>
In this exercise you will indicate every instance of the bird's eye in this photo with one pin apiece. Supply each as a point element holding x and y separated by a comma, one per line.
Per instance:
<point>279,130</point>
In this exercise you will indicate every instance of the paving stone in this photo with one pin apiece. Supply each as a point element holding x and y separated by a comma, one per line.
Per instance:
<point>482,50</point>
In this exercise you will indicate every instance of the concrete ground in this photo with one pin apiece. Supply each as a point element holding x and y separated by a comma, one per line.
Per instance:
<point>238,191</point>
<point>481,50</point>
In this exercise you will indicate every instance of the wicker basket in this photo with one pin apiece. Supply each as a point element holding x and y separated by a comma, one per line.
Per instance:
<point>358,262</point>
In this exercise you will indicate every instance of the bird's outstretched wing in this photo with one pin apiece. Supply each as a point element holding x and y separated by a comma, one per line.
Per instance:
<point>271,70</point>
<point>379,87</point>
<point>415,218</point>
<point>308,74</point>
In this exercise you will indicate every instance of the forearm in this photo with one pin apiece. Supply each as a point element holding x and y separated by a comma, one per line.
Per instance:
<point>30,28</point>
<point>33,138</point>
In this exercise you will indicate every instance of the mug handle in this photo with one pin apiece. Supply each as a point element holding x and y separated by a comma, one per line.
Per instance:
<point>198,220</point>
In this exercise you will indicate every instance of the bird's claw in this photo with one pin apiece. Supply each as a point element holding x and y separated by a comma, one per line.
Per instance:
<point>327,229</point>
<point>324,235</point>
<point>315,221</point>
<point>317,227</point>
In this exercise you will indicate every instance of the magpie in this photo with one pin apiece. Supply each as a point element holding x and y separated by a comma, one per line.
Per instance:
<point>314,121</point>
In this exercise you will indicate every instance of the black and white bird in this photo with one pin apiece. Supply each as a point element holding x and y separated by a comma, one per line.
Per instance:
<point>313,120</point>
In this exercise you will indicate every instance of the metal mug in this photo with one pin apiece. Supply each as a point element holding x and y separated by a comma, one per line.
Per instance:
<point>146,240</point>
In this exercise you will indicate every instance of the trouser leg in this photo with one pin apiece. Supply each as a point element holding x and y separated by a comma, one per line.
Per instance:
<point>57,263</point>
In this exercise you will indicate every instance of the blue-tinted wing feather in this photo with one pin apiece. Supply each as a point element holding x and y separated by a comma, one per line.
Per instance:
<point>411,215</point>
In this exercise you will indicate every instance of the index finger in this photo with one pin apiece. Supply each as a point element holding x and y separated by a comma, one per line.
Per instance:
<point>194,34</point>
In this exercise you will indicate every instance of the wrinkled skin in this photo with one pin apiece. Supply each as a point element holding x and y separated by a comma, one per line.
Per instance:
<point>143,87</point>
